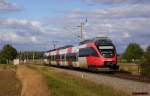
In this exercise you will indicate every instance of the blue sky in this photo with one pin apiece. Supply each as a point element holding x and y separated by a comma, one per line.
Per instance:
<point>34,24</point>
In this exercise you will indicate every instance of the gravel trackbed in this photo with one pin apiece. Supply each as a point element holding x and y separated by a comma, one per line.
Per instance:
<point>128,86</point>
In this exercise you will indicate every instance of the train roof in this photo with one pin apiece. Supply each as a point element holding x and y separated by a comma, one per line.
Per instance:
<point>100,39</point>
<point>67,46</point>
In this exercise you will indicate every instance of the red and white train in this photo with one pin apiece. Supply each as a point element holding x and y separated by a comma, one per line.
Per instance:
<point>96,53</point>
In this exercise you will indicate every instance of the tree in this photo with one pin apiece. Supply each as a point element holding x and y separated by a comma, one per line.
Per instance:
<point>8,53</point>
<point>2,59</point>
<point>133,52</point>
<point>145,63</point>
<point>30,55</point>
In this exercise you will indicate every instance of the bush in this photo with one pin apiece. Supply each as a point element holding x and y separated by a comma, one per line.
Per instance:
<point>3,61</point>
<point>145,63</point>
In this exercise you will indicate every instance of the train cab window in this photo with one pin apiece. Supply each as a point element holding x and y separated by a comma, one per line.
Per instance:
<point>107,51</point>
<point>87,52</point>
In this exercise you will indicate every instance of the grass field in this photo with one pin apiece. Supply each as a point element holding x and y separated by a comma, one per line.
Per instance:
<point>130,67</point>
<point>9,84</point>
<point>63,84</point>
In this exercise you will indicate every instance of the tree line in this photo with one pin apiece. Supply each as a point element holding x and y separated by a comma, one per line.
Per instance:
<point>134,53</point>
<point>30,55</point>
<point>8,53</point>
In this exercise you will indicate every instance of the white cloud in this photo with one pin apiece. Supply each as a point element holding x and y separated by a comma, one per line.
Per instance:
<point>20,31</point>
<point>126,35</point>
<point>115,1</point>
<point>34,39</point>
<point>6,6</point>
<point>118,12</point>
<point>123,24</point>
<point>29,33</point>
<point>16,23</point>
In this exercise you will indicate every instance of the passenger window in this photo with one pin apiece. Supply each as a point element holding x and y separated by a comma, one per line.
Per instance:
<point>62,57</point>
<point>49,57</point>
<point>71,56</point>
<point>57,57</point>
<point>87,52</point>
<point>52,58</point>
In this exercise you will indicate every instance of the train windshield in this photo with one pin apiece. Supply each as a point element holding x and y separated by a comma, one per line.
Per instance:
<point>107,51</point>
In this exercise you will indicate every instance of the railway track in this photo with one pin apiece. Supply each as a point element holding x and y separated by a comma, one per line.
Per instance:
<point>129,76</point>
<point>117,74</point>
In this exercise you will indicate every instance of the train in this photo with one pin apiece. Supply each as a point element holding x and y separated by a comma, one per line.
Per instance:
<point>96,53</point>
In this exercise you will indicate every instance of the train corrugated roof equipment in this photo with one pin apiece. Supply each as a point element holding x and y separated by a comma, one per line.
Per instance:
<point>67,46</point>
<point>100,39</point>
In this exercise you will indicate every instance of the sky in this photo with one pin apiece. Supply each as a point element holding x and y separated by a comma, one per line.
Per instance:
<point>35,24</point>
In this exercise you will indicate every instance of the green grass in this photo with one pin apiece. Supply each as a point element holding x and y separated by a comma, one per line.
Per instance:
<point>63,84</point>
<point>9,84</point>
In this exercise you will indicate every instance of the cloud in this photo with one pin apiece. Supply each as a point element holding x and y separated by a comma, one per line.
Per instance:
<point>123,24</point>
<point>115,1</point>
<point>6,6</point>
<point>26,24</point>
<point>20,31</point>
<point>30,33</point>
<point>133,11</point>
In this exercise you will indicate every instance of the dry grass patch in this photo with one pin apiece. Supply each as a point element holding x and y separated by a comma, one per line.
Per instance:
<point>9,84</point>
<point>33,83</point>
<point>130,67</point>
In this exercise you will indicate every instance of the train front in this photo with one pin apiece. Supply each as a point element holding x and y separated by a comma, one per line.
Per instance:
<point>108,55</point>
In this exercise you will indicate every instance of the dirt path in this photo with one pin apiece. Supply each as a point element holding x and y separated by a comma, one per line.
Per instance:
<point>32,82</point>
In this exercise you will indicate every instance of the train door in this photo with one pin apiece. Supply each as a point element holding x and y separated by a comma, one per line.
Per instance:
<point>75,52</point>
<point>68,57</point>
<point>87,57</point>
<point>52,60</point>
<point>57,57</point>
<point>46,59</point>
<point>63,57</point>
<point>82,58</point>
<point>49,58</point>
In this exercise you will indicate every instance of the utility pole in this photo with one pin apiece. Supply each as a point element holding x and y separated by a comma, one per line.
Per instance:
<point>81,26</point>
<point>81,29</point>
<point>33,56</point>
<point>54,43</point>
<point>1,39</point>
